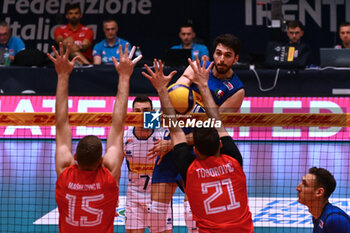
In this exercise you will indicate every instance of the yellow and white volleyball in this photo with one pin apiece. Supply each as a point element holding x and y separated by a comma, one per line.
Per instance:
<point>182,97</point>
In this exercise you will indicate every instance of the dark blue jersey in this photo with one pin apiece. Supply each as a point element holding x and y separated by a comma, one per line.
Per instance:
<point>332,220</point>
<point>221,89</point>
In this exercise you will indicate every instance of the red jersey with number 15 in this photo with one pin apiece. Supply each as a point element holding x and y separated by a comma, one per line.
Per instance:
<point>86,200</point>
<point>217,192</point>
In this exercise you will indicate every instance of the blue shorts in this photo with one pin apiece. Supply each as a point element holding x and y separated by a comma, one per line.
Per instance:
<point>166,171</point>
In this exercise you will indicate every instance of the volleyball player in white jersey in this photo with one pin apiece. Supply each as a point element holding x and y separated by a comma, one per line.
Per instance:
<point>137,142</point>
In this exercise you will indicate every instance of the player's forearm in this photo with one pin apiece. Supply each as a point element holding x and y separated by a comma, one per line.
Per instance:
<point>208,101</point>
<point>211,109</point>
<point>177,135</point>
<point>120,107</point>
<point>119,113</point>
<point>167,107</point>
<point>62,100</point>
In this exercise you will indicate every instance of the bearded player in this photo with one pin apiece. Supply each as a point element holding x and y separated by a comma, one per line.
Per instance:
<point>227,92</point>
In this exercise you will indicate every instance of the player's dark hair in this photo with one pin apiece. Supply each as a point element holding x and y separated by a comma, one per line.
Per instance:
<point>230,41</point>
<point>325,180</point>
<point>345,24</point>
<point>142,99</point>
<point>73,7</point>
<point>89,150</point>
<point>206,140</point>
<point>294,24</point>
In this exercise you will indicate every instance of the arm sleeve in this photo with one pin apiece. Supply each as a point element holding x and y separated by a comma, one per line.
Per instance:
<point>96,50</point>
<point>21,46</point>
<point>230,148</point>
<point>90,35</point>
<point>57,32</point>
<point>337,223</point>
<point>183,158</point>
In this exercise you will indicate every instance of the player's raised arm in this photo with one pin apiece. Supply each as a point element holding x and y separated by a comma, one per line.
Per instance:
<point>114,152</point>
<point>63,67</point>
<point>201,77</point>
<point>160,82</point>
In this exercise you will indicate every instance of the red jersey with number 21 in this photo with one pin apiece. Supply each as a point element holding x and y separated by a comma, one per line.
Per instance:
<point>217,191</point>
<point>86,200</point>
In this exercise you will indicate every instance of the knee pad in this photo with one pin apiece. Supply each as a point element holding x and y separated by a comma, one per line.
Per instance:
<point>158,217</point>
<point>190,223</point>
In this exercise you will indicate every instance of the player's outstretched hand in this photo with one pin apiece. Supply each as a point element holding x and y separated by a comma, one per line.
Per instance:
<point>157,78</point>
<point>201,73</point>
<point>125,66</point>
<point>61,60</point>
<point>161,148</point>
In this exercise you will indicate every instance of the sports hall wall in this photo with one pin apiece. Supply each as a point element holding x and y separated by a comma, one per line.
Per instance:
<point>154,24</point>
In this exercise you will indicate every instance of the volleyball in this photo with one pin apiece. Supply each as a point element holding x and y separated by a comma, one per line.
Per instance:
<point>182,97</point>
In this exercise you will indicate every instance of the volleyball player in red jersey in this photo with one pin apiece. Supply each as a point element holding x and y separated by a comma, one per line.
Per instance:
<point>215,182</point>
<point>87,184</point>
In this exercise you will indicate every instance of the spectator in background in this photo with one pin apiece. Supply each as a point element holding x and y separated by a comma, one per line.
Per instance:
<point>108,48</point>
<point>295,31</point>
<point>313,191</point>
<point>187,36</point>
<point>78,35</point>
<point>344,34</point>
<point>12,43</point>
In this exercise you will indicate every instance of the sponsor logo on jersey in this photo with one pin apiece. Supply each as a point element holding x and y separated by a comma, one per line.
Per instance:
<point>228,85</point>
<point>321,224</point>
<point>128,141</point>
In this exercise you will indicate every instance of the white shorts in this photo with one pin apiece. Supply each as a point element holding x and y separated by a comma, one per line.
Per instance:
<point>138,202</point>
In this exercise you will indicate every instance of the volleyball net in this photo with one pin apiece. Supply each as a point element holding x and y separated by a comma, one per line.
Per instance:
<point>277,150</point>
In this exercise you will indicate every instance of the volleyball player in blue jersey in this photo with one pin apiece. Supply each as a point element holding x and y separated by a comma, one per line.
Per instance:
<point>314,191</point>
<point>228,93</point>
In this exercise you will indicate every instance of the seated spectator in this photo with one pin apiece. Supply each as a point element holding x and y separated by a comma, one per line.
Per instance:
<point>78,35</point>
<point>12,43</point>
<point>295,31</point>
<point>344,34</point>
<point>109,47</point>
<point>293,54</point>
<point>187,36</point>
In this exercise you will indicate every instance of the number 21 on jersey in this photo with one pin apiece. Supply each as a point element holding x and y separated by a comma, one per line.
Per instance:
<point>218,185</point>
